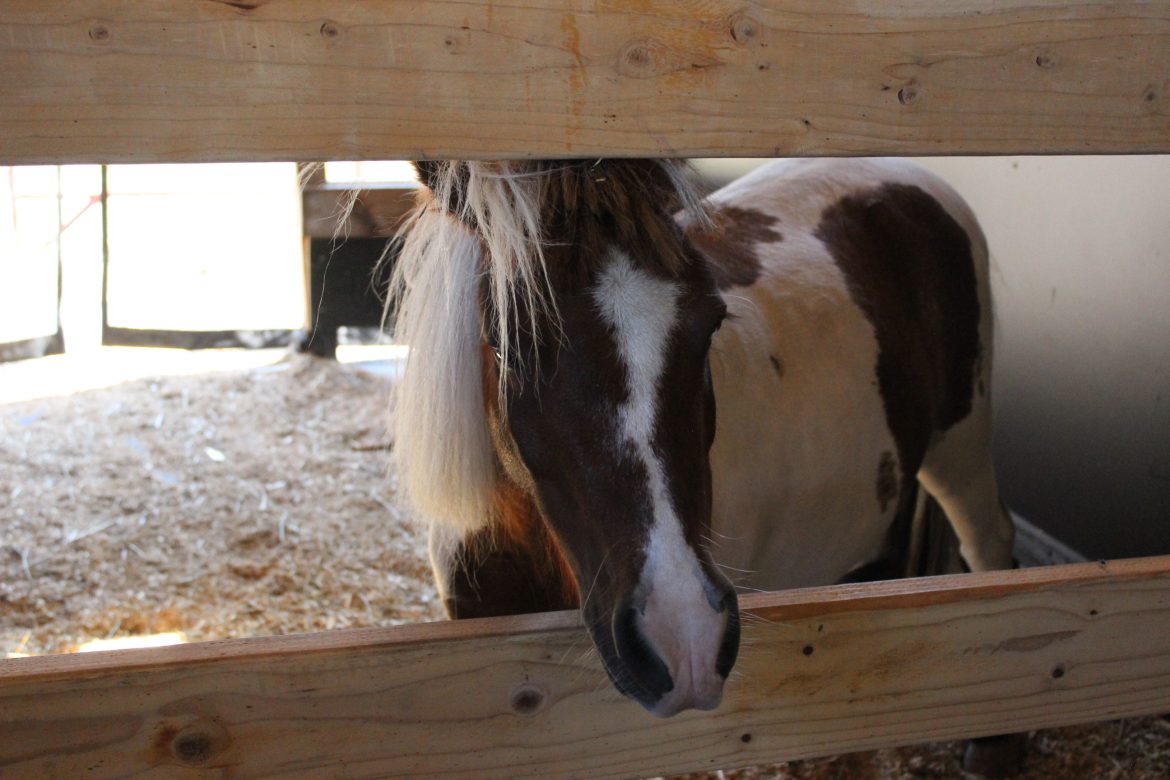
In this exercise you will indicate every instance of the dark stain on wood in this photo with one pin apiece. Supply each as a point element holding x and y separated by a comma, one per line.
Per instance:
<point>1029,644</point>
<point>238,5</point>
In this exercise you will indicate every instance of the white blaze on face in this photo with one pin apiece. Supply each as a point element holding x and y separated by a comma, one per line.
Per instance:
<point>679,621</point>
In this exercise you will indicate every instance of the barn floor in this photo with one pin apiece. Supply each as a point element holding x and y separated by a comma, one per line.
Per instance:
<point>256,502</point>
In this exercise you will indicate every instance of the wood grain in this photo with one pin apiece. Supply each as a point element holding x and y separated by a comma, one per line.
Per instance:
<point>197,80</point>
<point>823,671</point>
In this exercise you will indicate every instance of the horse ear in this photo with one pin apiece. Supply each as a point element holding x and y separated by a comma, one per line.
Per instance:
<point>445,179</point>
<point>428,172</point>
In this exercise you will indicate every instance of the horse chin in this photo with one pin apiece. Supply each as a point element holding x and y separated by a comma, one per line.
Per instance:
<point>665,705</point>
<point>670,706</point>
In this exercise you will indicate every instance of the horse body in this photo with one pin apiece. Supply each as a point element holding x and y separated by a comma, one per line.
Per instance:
<point>808,467</point>
<point>583,432</point>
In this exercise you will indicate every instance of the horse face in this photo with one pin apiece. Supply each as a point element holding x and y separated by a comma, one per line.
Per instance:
<point>611,427</point>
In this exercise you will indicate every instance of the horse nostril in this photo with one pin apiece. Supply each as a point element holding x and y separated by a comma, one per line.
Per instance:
<point>643,663</point>
<point>729,648</point>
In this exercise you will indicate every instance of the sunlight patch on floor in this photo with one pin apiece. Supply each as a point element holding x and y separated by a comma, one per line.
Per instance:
<point>165,639</point>
<point>76,372</point>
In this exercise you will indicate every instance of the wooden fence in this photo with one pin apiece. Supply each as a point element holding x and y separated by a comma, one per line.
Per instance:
<point>823,670</point>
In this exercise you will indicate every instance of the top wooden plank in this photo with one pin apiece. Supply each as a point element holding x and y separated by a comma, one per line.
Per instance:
<point>199,80</point>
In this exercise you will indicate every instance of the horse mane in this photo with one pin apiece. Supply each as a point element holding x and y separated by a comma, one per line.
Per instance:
<point>480,235</point>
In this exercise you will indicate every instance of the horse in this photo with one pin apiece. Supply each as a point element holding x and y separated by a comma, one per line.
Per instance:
<point>619,391</point>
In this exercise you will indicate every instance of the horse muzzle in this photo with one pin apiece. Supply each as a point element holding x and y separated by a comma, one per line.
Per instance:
<point>672,662</point>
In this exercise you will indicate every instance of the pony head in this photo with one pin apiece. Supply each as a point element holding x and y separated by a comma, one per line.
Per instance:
<point>559,324</point>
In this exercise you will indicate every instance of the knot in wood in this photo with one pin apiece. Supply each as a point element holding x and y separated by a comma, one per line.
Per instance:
<point>527,699</point>
<point>99,33</point>
<point>1045,61</point>
<point>744,29</point>
<point>199,742</point>
<point>192,747</point>
<point>908,94</point>
<point>643,59</point>
<point>330,31</point>
<point>637,56</point>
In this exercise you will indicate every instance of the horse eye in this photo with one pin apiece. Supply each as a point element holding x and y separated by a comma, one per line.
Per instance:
<point>720,319</point>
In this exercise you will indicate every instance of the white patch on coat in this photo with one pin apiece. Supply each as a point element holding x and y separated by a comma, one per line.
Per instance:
<point>678,620</point>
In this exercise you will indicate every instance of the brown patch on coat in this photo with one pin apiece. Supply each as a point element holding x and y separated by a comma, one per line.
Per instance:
<point>514,565</point>
<point>887,480</point>
<point>555,439</point>
<point>730,246</point>
<point>685,415</point>
<point>909,268</point>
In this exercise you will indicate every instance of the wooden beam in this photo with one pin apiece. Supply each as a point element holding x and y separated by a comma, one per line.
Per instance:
<point>823,671</point>
<point>198,80</point>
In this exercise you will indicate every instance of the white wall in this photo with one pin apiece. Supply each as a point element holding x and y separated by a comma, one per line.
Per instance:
<point>1081,255</point>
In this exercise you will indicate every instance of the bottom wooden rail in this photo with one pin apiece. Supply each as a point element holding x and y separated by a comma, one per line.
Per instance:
<point>822,671</point>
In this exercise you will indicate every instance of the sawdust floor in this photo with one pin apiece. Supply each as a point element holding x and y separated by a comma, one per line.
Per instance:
<point>259,502</point>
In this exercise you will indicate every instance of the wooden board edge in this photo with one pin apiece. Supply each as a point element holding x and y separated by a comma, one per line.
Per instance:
<point>777,606</point>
